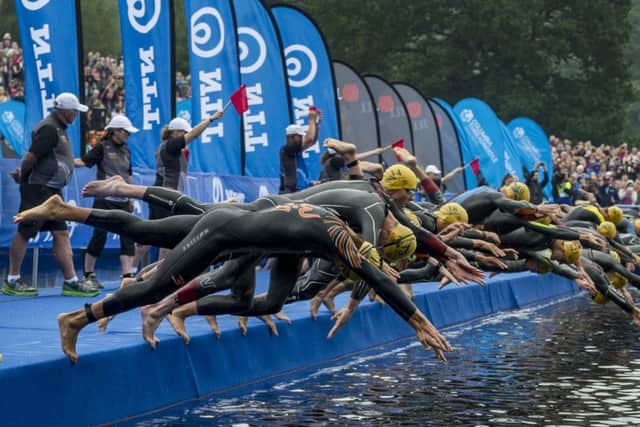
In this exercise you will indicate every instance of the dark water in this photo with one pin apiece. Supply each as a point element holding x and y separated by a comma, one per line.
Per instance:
<point>573,363</point>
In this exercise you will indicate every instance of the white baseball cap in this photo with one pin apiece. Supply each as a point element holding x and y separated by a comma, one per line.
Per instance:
<point>121,122</point>
<point>68,101</point>
<point>433,169</point>
<point>295,130</point>
<point>179,124</point>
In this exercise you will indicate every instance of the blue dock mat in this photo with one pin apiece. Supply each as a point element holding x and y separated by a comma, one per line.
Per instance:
<point>119,376</point>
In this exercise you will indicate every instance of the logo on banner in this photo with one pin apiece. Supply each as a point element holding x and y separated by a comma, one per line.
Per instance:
<point>302,65</point>
<point>136,12</point>
<point>34,4</point>
<point>385,104</point>
<point>350,92</point>
<point>252,50</point>
<point>202,32</point>
<point>415,109</point>
<point>518,132</point>
<point>220,194</point>
<point>466,115</point>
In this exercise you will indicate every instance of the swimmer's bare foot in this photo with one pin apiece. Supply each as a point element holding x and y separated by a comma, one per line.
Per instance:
<point>314,306</point>
<point>126,281</point>
<point>150,324</point>
<point>102,323</point>
<point>102,188</point>
<point>273,329</point>
<point>70,325</point>
<point>213,324</point>
<point>282,316</point>
<point>177,323</point>
<point>47,211</point>
<point>372,295</point>
<point>242,324</point>
<point>328,302</point>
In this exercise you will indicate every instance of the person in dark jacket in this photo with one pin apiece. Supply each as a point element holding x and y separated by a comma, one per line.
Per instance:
<point>532,181</point>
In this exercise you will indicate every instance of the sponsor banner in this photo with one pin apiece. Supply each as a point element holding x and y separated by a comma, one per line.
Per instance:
<point>146,49</point>
<point>310,78</point>
<point>533,146</point>
<point>49,41</point>
<point>12,126</point>
<point>484,139</point>
<point>393,123</point>
<point>426,141</point>
<point>450,150</point>
<point>205,187</point>
<point>512,162</point>
<point>262,70</point>
<point>355,105</point>
<point>215,75</point>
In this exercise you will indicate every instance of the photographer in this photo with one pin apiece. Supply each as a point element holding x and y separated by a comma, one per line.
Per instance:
<point>535,187</point>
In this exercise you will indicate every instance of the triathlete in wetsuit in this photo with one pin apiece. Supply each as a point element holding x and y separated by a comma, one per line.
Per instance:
<point>295,229</point>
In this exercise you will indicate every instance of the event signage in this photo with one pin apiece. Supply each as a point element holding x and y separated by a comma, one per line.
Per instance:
<point>262,70</point>
<point>358,121</point>
<point>12,126</point>
<point>49,39</point>
<point>450,149</point>
<point>393,123</point>
<point>215,74</point>
<point>426,141</point>
<point>310,78</point>
<point>533,145</point>
<point>484,139</point>
<point>145,26</point>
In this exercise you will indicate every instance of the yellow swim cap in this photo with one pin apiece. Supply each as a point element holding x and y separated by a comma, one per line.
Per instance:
<point>607,229</point>
<point>451,213</point>
<point>368,251</point>
<point>615,214</point>
<point>546,220</point>
<point>618,281</point>
<point>596,211</point>
<point>516,191</point>
<point>399,177</point>
<point>412,217</point>
<point>572,250</point>
<point>615,256</point>
<point>400,244</point>
<point>600,298</point>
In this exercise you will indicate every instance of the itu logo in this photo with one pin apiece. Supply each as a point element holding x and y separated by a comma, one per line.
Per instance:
<point>252,50</point>
<point>34,4</point>
<point>137,12</point>
<point>302,65</point>
<point>518,132</point>
<point>466,115</point>
<point>207,32</point>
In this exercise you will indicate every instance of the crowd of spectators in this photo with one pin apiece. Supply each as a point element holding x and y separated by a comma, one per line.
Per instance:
<point>585,172</point>
<point>11,69</point>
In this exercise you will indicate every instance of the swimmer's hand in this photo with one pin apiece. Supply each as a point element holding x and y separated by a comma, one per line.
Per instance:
<point>461,269</point>
<point>636,316</point>
<point>584,282</point>
<point>489,247</point>
<point>428,335</point>
<point>390,271</point>
<point>491,237</point>
<point>343,316</point>
<point>491,262</point>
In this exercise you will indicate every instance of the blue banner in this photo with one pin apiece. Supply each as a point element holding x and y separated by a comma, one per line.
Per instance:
<point>262,70</point>
<point>183,109</point>
<point>512,162</point>
<point>205,187</point>
<point>533,146</point>
<point>484,139</point>
<point>452,146</point>
<point>146,49</point>
<point>49,40</point>
<point>357,117</point>
<point>12,126</point>
<point>310,77</point>
<point>393,123</point>
<point>215,75</point>
<point>426,142</point>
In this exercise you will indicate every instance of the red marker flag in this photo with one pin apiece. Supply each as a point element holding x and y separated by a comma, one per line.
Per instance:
<point>398,144</point>
<point>475,166</point>
<point>239,99</point>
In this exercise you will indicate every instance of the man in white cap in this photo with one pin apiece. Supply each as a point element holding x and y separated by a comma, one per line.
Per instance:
<point>45,169</point>
<point>298,140</point>
<point>113,158</point>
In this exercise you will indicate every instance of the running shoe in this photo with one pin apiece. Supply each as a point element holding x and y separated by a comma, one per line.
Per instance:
<point>79,289</point>
<point>19,288</point>
<point>92,280</point>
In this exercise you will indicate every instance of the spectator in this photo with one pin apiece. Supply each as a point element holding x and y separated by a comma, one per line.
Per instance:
<point>532,181</point>
<point>297,141</point>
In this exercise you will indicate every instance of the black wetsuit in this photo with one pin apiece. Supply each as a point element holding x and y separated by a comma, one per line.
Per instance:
<point>482,204</point>
<point>289,230</point>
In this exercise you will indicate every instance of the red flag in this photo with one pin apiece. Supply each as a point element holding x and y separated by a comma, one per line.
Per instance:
<point>398,144</point>
<point>475,166</point>
<point>239,99</point>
